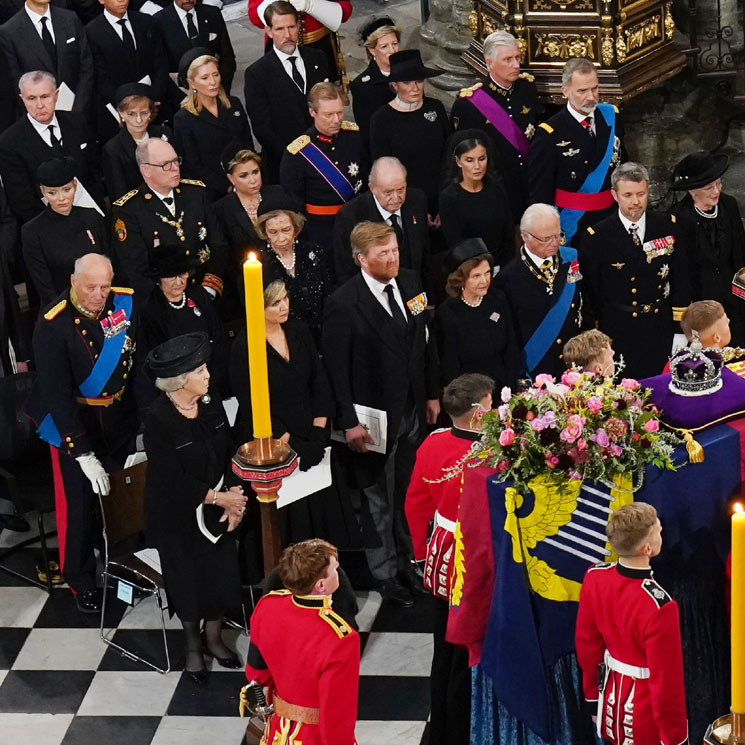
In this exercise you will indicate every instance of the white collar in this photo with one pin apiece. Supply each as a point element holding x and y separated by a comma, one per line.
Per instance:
<point>499,85</point>
<point>284,57</point>
<point>164,196</point>
<point>36,17</point>
<point>578,115</point>
<point>39,127</point>
<point>537,260</point>
<point>113,20</point>
<point>640,223</point>
<point>384,212</point>
<point>376,287</point>
<point>182,13</point>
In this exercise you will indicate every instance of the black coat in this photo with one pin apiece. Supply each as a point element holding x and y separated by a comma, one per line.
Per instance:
<point>8,8</point>
<point>12,326</point>
<point>22,151</point>
<point>52,242</point>
<point>633,300</point>
<point>120,170</point>
<point>25,52</point>
<point>277,107</point>
<point>369,93</point>
<point>201,140</point>
<point>414,252</point>
<point>186,458</point>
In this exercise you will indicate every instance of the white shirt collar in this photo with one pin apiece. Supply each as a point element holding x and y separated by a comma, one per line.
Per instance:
<point>114,21</point>
<point>376,287</point>
<point>36,17</point>
<point>499,85</point>
<point>284,57</point>
<point>384,212</point>
<point>579,116</point>
<point>537,260</point>
<point>641,224</point>
<point>182,13</point>
<point>42,128</point>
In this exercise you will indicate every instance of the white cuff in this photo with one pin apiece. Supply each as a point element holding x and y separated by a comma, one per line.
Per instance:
<point>262,7</point>
<point>327,12</point>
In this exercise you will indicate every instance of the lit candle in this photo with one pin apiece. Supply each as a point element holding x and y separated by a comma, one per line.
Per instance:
<point>256,332</point>
<point>737,631</point>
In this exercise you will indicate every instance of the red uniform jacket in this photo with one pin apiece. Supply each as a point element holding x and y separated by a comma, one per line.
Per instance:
<point>625,612</point>
<point>309,24</point>
<point>310,656</point>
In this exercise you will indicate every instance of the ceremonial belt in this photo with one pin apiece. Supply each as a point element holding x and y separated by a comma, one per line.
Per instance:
<point>641,308</point>
<point>328,171</point>
<point>501,121</point>
<point>545,335</point>
<point>100,401</point>
<point>632,671</point>
<point>323,209</point>
<point>444,523</point>
<point>310,37</point>
<point>571,216</point>
<point>573,200</point>
<point>303,714</point>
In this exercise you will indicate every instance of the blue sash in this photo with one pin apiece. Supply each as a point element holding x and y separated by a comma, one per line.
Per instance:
<point>330,173</point>
<point>48,431</point>
<point>548,330</point>
<point>594,181</point>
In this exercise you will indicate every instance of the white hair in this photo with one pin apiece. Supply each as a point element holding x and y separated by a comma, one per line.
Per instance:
<point>82,261</point>
<point>496,39</point>
<point>168,385</point>
<point>534,211</point>
<point>36,76</point>
<point>386,161</point>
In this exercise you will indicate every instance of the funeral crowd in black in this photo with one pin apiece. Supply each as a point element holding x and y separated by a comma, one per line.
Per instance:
<point>399,251</point>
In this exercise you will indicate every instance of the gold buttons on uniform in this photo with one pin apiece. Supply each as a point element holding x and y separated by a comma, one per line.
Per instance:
<point>124,375</point>
<point>90,343</point>
<point>558,341</point>
<point>633,290</point>
<point>84,332</point>
<point>77,320</point>
<point>633,279</point>
<point>634,314</point>
<point>634,303</point>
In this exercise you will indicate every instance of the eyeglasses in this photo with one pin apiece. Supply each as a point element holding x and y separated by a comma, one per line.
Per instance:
<point>713,186</point>
<point>559,238</point>
<point>168,165</point>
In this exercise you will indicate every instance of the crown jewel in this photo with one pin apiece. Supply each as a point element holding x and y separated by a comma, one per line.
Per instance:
<point>695,370</point>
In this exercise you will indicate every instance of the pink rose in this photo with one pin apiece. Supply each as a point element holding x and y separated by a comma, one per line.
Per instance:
<point>581,444</point>
<point>552,461</point>
<point>506,437</point>
<point>576,419</point>
<point>503,410</point>
<point>615,451</point>
<point>570,377</point>
<point>505,395</point>
<point>538,424</point>
<point>571,432</point>
<point>575,475</point>
<point>542,379</point>
<point>503,465</point>
<point>651,425</point>
<point>594,404</point>
<point>629,384</point>
<point>600,438</point>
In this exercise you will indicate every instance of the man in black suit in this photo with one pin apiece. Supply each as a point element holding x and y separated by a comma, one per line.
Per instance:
<point>184,24</point>
<point>389,201</point>
<point>40,135</point>
<point>40,37</point>
<point>127,48</point>
<point>636,276</point>
<point>375,350</point>
<point>277,86</point>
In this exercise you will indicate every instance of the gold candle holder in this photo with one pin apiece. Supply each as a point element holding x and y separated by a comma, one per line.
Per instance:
<point>727,730</point>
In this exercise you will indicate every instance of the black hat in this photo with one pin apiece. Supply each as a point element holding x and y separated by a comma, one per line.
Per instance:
<point>279,199</point>
<point>467,249</point>
<point>179,355</point>
<point>171,259</point>
<point>132,89</point>
<point>366,29</point>
<point>698,169</point>
<point>56,172</point>
<point>407,65</point>
<point>186,60</point>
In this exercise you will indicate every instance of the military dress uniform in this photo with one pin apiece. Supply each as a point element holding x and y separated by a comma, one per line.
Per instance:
<point>81,402</point>
<point>630,624</point>
<point>636,293</point>
<point>309,658</point>
<point>520,101</point>
<point>343,159</point>
<point>142,221</point>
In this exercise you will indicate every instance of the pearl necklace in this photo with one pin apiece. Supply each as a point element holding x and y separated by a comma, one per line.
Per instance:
<point>252,213</point>
<point>407,106</point>
<point>180,304</point>
<point>472,305</point>
<point>708,215</point>
<point>289,269</point>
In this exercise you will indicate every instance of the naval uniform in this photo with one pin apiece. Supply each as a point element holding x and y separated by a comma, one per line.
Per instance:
<point>309,657</point>
<point>520,101</point>
<point>76,416</point>
<point>630,623</point>
<point>344,157</point>
<point>142,220</point>
<point>636,293</point>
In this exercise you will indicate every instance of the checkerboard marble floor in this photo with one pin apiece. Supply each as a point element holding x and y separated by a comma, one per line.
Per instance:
<point>60,685</point>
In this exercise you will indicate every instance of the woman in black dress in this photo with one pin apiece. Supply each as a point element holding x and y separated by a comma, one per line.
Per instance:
<point>473,328</point>
<point>299,264</point>
<point>134,102</point>
<point>188,507</point>
<point>208,121</point>
<point>413,127</point>
<point>474,203</point>
<point>380,37</point>
<point>712,227</point>
<point>62,233</point>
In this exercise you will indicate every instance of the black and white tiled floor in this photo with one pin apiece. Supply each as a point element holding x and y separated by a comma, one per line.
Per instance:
<point>60,685</point>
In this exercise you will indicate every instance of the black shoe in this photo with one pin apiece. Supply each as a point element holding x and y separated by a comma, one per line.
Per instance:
<point>395,594</point>
<point>411,580</point>
<point>231,663</point>
<point>15,523</point>
<point>89,601</point>
<point>198,676</point>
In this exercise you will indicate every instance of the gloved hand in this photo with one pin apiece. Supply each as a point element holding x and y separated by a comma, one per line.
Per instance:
<point>679,341</point>
<point>327,12</point>
<point>320,434</point>
<point>95,473</point>
<point>299,5</point>
<point>309,451</point>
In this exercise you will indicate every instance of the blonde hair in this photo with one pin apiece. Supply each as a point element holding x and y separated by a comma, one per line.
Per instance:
<point>297,220</point>
<point>323,92</point>
<point>273,291</point>
<point>629,527</point>
<point>191,102</point>
<point>367,234</point>
<point>241,157</point>
<point>372,40</point>
<point>584,348</point>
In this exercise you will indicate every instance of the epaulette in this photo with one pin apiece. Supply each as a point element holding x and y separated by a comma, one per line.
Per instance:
<point>122,290</point>
<point>615,108</point>
<point>673,218</point>
<point>657,593</point>
<point>297,145</point>
<point>192,181</point>
<point>279,592</point>
<point>527,76</point>
<point>546,126</point>
<point>590,231</point>
<point>123,200</point>
<point>602,565</point>
<point>54,312</point>
<point>350,126</point>
<point>337,623</point>
<point>468,92</point>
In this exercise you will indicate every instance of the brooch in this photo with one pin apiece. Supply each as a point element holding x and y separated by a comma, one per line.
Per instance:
<point>494,317</point>
<point>430,116</point>
<point>417,304</point>
<point>365,78</point>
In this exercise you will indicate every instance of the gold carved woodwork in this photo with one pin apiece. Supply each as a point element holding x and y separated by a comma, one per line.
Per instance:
<point>669,22</point>
<point>606,46</point>
<point>620,45</point>
<point>565,46</point>
<point>522,45</point>
<point>642,34</point>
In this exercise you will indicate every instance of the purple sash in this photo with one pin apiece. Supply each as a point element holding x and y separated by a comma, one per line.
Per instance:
<point>501,121</point>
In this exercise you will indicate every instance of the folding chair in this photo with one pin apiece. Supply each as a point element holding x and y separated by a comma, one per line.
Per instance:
<point>123,516</point>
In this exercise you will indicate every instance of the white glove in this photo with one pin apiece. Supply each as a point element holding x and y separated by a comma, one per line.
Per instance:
<point>95,473</point>
<point>299,5</point>
<point>150,8</point>
<point>326,12</point>
<point>679,341</point>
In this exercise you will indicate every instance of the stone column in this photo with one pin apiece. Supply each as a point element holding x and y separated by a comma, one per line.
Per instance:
<point>439,17</point>
<point>453,42</point>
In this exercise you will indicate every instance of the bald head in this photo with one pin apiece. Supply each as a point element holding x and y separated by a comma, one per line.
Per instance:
<point>152,155</point>
<point>91,281</point>
<point>388,182</point>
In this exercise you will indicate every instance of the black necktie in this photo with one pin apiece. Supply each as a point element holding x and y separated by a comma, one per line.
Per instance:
<point>587,124</point>
<point>296,76</point>
<point>191,28</point>
<point>396,225</point>
<point>634,232</point>
<point>55,141</point>
<point>46,38</point>
<point>398,317</point>
<point>127,40</point>
<point>168,200</point>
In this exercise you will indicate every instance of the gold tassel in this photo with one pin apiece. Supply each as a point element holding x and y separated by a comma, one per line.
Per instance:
<point>695,451</point>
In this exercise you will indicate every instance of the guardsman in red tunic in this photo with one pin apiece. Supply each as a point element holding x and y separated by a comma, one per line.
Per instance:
<point>431,511</point>
<point>628,639</point>
<point>307,656</point>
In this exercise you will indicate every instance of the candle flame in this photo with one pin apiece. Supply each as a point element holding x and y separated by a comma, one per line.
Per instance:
<point>251,256</point>
<point>739,507</point>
